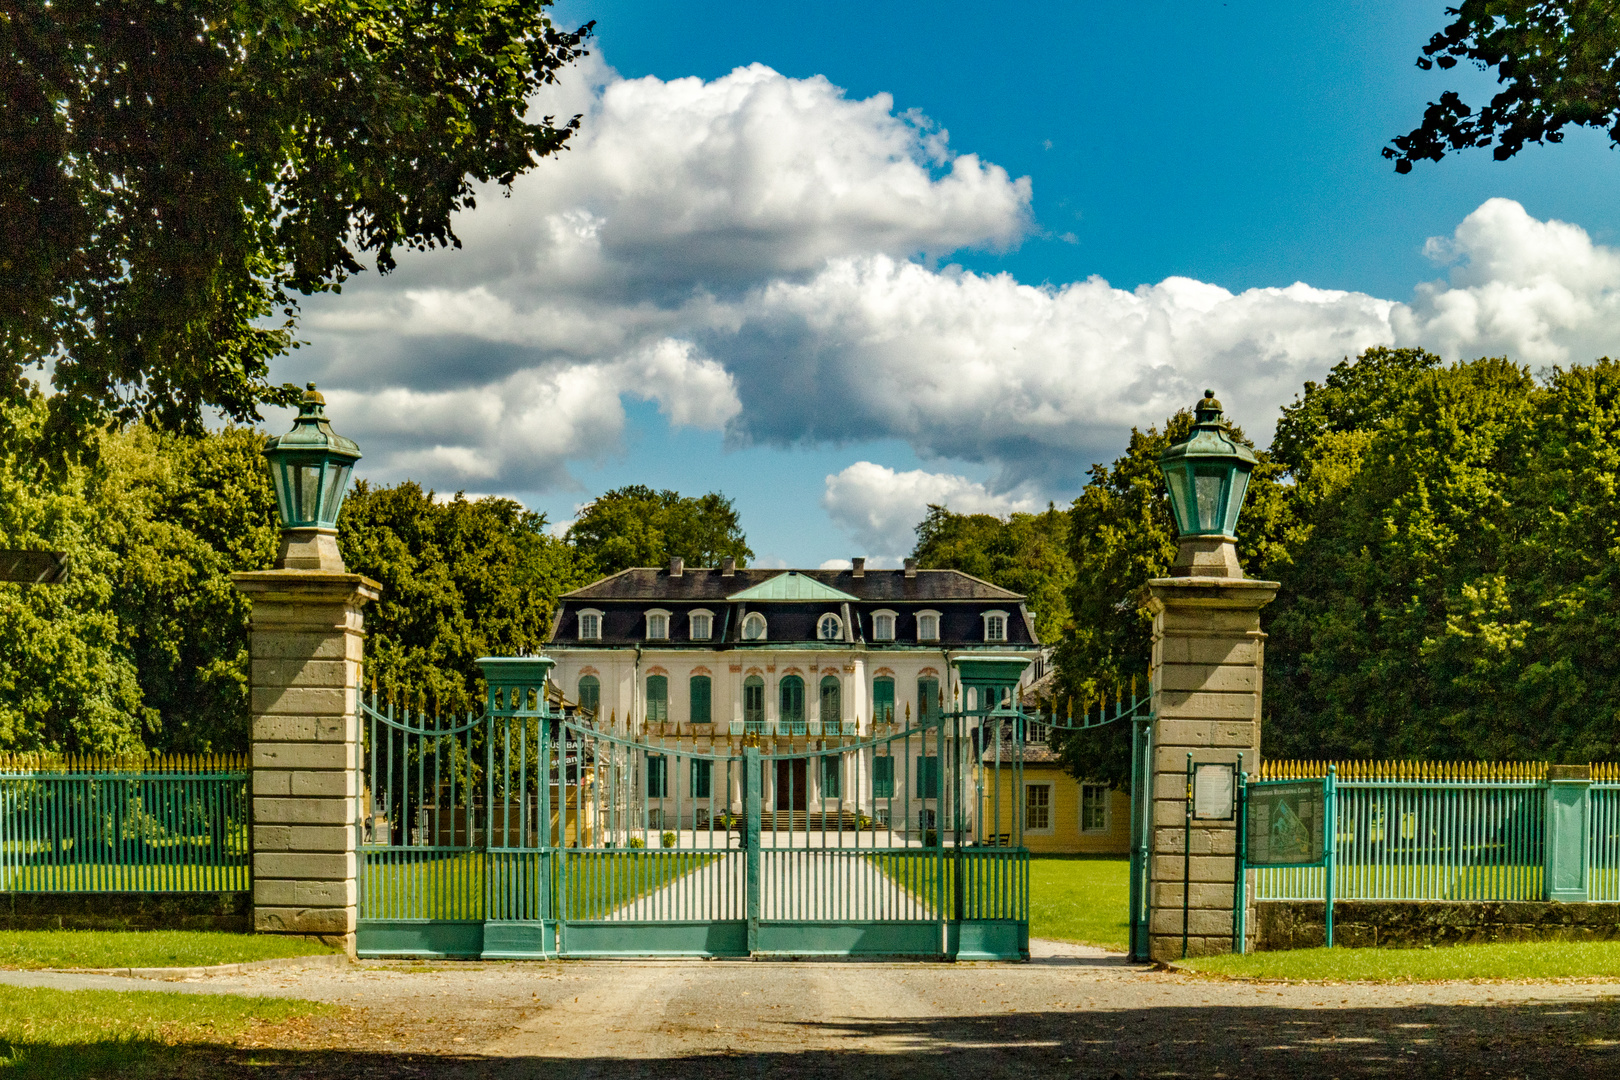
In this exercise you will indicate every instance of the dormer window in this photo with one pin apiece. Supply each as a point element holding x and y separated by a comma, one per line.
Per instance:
<point>830,628</point>
<point>590,626</point>
<point>995,626</point>
<point>753,627</point>
<point>927,626</point>
<point>700,625</point>
<point>883,626</point>
<point>657,625</point>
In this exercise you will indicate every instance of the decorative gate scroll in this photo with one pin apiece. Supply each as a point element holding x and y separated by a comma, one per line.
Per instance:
<point>533,830</point>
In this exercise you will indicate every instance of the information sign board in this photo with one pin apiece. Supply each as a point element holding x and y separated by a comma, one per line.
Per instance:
<point>1214,791</point>
<point>1285,823</point>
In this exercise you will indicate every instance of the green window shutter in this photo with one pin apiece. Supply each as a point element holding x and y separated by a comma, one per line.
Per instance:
<point>754,700</point>
<point>831,778</point>
<point>832,701</point>
<point>702,777</point>
<point>883,778</point>
<point>928,700</point>
<point>701,697</point>
<point>657,776</point>
<point>590,693</point>
<point>883,700</point>
<point>927,777</point>
<point>657,699</point>
<point>792,699</point>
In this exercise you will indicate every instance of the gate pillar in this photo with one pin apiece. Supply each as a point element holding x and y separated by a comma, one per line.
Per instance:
<point>1207,668</point>
<point>305,644</point>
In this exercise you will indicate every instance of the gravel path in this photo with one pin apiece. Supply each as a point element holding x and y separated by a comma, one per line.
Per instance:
<point>1071,1011</point>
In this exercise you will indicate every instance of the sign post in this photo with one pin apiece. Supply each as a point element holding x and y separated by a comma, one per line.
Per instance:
<point>1289,824</point>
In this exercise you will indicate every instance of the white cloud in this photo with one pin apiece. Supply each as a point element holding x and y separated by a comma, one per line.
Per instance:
<point>1537,291</point>
<point>880,507</point>
<point>753,253</point>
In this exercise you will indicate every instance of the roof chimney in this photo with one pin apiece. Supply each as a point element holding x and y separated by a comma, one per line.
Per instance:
<point>728,566</point>
<point>857,566</point>
<point>677,566</point>
<point>911,568</point>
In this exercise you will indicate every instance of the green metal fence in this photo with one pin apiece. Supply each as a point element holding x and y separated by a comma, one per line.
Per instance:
<point>110,824</point>
<point>1458,831</point>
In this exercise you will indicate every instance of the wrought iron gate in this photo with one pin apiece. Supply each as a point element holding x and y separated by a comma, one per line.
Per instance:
<point>533,830</point>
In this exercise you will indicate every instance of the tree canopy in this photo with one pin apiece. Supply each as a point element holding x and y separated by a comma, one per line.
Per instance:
<point>175,173</point>
<point>1557,62</point>
<point>637,526</point>
<point>461,579</point>
<point>145,643</point>
<point>1445,539</point>
<point>1027,553</point>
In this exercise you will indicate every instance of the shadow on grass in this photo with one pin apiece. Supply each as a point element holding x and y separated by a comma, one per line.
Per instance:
<point>1577,1039</point>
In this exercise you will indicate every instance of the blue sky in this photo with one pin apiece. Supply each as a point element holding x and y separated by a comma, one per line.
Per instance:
<point>836,307</point>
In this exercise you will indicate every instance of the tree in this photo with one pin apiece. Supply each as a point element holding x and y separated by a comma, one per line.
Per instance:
<point>175,173</point>
<point>1558,64</point>
<point>461,579</point>
<point>144,645</point>
<point>637,526</point>
<point>1026,553</point>
<point>1121,535</point>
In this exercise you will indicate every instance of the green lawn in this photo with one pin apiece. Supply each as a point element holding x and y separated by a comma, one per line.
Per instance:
<point>411,885</point>
<point>1080,898</point>
<point>1507,960</point>
<point>73,1034</point>
<point>151,948</point>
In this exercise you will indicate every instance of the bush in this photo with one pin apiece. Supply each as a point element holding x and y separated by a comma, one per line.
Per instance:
<point>636,842</point>
<point>668,839</point>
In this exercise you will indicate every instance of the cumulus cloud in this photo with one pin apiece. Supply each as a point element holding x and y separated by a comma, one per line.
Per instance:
<point>762,255</point>
<point>1537,291</point>
<point>880,507</point>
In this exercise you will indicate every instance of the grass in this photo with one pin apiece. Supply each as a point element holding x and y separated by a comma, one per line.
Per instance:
<point>408,885</point>
<point>72,1034</point>
<point>1505,960</point>
<point>151,948</point>
<point>1080,898</point>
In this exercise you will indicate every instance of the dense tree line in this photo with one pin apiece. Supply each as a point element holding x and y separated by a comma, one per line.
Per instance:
<point>1446,542</point>
<point>144,645</point>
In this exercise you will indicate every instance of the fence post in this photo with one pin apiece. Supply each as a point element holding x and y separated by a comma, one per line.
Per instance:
<point>305,645</point>
<point>1207,668</point>
<point>1568,813</point>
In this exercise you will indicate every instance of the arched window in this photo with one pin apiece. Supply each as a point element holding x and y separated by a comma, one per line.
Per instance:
<point>792,701</point>
<point>590,693</point>
<point>754,627</point>
<point>657,699</point>
<point>701,699</point>
<point>754,703</point>
<point>829,628</point>
<point>883,700</point>
<point>882,626</point>
<point>832,699</point>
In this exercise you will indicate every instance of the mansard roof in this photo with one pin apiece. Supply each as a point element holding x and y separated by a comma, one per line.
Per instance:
<point>655,584</point>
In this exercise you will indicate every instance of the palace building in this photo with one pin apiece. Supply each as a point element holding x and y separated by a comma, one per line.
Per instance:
<point>698,658</point>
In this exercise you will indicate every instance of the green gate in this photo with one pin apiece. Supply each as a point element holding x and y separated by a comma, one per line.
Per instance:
<point>535,830</point>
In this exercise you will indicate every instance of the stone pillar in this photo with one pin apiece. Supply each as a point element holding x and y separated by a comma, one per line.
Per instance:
<point>306,650</point>
<point>1208,666</point>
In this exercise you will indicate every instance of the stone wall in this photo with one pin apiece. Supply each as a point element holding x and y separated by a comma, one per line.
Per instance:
<point>1300,924</point>
<point>227,911</point>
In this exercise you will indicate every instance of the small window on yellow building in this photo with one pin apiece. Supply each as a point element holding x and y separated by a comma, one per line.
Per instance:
<point>1037,806</point>
<point>1093,808</point>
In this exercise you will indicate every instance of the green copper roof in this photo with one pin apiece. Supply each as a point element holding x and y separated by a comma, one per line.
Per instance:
<point>791,586</point>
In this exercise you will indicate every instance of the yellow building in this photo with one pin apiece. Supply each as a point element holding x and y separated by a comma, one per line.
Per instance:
<point>1061,815</point>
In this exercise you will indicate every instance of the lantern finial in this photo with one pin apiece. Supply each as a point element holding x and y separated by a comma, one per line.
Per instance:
<point>310,467</point>
<point>1207,477</point>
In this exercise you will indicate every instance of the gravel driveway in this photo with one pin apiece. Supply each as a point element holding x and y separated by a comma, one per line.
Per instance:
<point>1071,1012</point>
